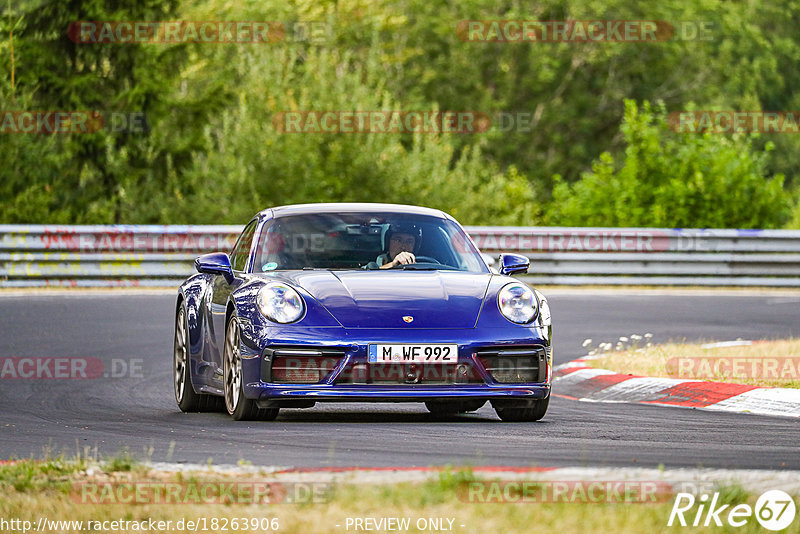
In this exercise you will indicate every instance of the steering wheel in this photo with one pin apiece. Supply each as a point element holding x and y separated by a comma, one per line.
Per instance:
<point>418,259</point>
<point>427,259</point>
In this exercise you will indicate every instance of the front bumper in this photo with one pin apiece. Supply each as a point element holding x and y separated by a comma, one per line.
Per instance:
<point>368,393</point>
<point>353,348</point>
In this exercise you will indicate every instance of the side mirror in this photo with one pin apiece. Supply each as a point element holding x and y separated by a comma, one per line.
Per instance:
<point>513,264</point>
<point>215,263</point>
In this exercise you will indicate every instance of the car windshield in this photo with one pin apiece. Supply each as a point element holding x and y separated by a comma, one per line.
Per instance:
<point>362,241</point>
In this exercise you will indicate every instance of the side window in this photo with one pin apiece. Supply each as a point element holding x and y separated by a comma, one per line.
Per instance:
<point>241,249</point>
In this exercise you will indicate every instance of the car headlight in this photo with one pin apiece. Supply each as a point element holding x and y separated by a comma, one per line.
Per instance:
<point>517,303</point>
<point>544,309</point>
<point>280,303</point>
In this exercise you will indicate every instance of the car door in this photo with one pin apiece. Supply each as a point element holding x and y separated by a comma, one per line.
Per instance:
<point>240,255</point>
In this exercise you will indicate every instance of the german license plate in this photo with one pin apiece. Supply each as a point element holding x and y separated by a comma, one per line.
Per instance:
<point>413,353</point>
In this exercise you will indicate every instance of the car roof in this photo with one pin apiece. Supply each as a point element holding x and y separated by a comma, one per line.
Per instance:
<point>349,207</point>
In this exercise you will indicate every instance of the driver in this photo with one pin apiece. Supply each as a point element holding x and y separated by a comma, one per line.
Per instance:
<point>400,243</point>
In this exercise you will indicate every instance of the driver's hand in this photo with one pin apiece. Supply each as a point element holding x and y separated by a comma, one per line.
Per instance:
<point>404,258</point>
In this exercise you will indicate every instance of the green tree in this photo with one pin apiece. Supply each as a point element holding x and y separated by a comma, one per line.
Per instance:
<point>667,179</point>
<point>209,106</point>
<point>97,177</point>
<point>247,163</point>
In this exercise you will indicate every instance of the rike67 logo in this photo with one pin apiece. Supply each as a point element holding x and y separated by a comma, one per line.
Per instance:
<point>774,510</point>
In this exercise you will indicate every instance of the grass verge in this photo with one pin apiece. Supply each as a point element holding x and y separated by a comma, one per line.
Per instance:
<point>33,489</point>
<point>763,363</point>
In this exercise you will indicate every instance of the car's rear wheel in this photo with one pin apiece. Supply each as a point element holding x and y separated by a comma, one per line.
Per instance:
<point>453,407</point>
<point>239,407</point>
<point>188,400</point>
<point>518,411</point>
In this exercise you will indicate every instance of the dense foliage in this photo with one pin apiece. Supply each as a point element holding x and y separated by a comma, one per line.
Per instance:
<point>597,151</point>
<point>670,180</point>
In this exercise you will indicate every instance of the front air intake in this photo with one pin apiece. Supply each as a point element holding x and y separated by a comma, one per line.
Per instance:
<point>296,365</point>
<point>515,365</point>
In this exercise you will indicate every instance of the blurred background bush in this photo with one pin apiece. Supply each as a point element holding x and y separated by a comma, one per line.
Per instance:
<point>598,152</point>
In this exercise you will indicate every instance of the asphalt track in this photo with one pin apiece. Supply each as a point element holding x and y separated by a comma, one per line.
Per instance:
<point>138,413</point>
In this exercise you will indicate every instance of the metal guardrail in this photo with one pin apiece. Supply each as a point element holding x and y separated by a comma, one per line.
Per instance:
<point>36,255</point>
<point>650,256</point>
<point>90,256</point>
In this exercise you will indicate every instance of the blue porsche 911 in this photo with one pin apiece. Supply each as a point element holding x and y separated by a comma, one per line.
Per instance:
<point>360,303</point>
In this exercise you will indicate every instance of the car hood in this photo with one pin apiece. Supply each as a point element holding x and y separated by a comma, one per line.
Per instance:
<point>381,299</point>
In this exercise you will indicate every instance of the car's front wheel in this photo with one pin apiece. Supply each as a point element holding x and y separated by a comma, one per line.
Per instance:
<point>239,407</point>
<point>519,411</point>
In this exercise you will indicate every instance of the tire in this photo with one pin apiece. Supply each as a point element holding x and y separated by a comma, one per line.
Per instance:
<point>522,411</point>
<point>237,406</point>
<point>185,396</point>
<point>453,407</point>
